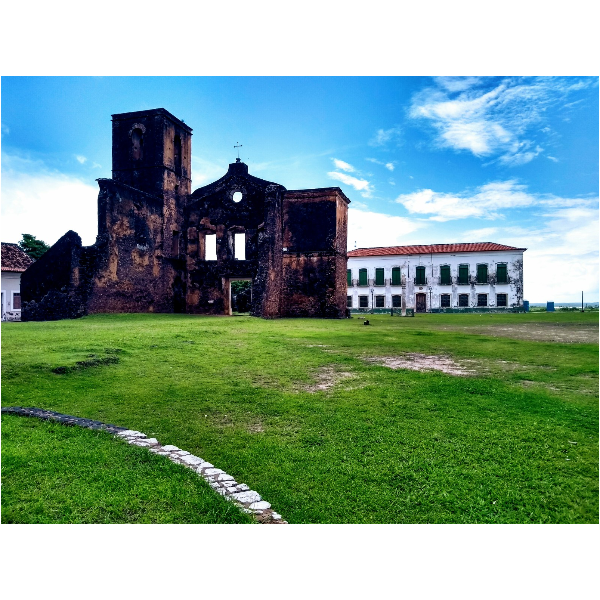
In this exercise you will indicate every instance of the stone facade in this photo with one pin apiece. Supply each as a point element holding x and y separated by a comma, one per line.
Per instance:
<point>152,253</point>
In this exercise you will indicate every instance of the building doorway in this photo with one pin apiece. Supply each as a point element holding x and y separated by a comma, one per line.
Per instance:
<point>240,296</point>
<point>421,304</point>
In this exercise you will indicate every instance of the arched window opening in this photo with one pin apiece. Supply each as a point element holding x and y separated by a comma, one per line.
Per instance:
<point>137,143</point>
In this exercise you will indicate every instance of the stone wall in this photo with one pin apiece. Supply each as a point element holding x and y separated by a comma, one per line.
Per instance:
<point>151,251</point>
<point>50,287</point>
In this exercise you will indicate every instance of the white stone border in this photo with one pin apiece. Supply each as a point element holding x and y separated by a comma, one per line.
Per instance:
<point>224,484</point>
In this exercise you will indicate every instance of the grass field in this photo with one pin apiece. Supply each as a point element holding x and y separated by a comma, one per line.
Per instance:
<point>306,412</point>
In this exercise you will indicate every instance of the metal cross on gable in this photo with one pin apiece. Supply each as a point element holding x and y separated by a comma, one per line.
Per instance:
<point>238,146</point>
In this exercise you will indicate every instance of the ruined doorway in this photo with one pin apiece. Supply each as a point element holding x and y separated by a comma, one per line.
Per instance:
<point>240,296</point>
<point>421,304</point>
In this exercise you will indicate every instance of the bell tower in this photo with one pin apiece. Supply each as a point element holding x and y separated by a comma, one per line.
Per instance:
<point>152,152</point>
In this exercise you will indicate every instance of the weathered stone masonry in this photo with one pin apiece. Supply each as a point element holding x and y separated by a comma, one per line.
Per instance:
<point>151,251</point>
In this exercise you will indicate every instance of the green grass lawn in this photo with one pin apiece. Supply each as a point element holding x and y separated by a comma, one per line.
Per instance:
<point>294,408</point>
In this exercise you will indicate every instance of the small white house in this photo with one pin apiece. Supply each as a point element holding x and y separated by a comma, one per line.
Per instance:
<point>436,278</point>
<point>14,262</point>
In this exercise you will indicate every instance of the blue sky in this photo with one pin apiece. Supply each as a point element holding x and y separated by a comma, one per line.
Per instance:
<point>424,160</point>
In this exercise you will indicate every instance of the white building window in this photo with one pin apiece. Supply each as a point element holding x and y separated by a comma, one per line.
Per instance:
<point>16,301</point>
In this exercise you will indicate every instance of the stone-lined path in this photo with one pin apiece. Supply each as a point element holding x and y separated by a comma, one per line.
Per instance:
<point>224,484</point>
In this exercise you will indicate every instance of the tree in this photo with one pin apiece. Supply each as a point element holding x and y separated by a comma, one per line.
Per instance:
<point>32,246</point>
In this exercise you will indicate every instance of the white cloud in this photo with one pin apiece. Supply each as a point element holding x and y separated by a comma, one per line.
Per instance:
<point>485,202</point>
<point>369,229</point>
<point>4,129</point>
<point>562,256</point>
<point>457,84</point>
<point>80,159</point>
<point>206,171</point>
<point>493,122</point>
<point>390,166</point>
<point>45,203</point>
<point>519,158</point>
<point>552,158</point>
<point>361,185</point>
<point>485,234</point>
<point>383,136</point>
<point>344,166</point>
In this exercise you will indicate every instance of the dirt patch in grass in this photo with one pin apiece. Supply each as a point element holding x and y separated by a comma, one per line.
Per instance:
<point>255,427</point>
<point>563,333</point>
<point>422,362</point>
<point>326,378</point>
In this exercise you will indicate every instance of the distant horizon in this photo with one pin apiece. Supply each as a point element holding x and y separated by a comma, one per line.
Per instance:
<point>560,303</point>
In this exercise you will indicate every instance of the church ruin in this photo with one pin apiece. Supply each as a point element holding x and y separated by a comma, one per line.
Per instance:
<point>163,248</point>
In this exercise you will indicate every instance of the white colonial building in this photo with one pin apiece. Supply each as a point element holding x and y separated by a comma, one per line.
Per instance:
<point>436,278</point>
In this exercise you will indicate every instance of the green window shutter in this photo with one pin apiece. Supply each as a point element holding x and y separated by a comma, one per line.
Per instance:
<point>463,274</point>
<point>501,274</point>
<point>379,277</point>
<point>396,276</point>
<point>362,277</point>
<point>445,275</point>
<point>349,276</point>
<point>420,279</point>
<point>482,274</point>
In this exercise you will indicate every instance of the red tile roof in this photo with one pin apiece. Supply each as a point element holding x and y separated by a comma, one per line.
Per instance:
<point>431,249</point>
<point>14,259</point>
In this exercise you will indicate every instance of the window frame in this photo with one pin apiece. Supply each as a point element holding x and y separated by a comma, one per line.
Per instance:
<point>459,301</point>
<point>449,300</point>
<point>442,270</point>
<point>210,235</point>
<point>399,296</point>
<point>465,267</point>
<point>379,271</point>
<point>398,280</point>
<point>380,298</point>
<point>349,277</point>
<point>479,305</point>
<point>360,301</point>
<point>505,305</point>
<point>12,300</point>
<point>505,265</point>
<point>349,302</point>
<point>487,274</point>
<point>418,270</point>
<point>366,274</point>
